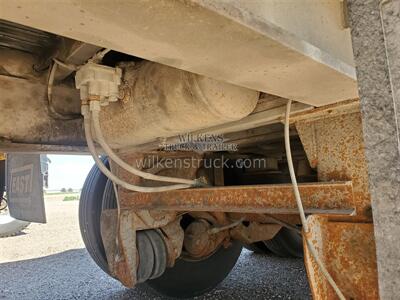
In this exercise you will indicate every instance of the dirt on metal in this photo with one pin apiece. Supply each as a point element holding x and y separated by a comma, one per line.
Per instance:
<point>199,242</point>
<point>326,198</point>
<point>255,232</point>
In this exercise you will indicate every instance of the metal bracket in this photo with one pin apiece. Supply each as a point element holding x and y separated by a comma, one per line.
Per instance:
<point>348,252</point>
<point>119,239</point>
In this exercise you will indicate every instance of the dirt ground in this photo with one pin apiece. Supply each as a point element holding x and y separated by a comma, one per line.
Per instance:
<point>48,261</point>
<point>61,233</point>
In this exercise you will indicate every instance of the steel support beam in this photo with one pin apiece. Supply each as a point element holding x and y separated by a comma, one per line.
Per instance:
<point>375,27</point>
<point>324,198</point>
<point>332,138</point>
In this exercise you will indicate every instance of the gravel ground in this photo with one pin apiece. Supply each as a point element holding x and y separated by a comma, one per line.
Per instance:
<point>48,261</point>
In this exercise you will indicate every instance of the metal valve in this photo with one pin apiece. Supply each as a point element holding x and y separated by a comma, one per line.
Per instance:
<point>98,82</point>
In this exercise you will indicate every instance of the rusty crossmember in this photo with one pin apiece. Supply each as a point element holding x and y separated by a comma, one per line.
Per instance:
<point>323,198</point>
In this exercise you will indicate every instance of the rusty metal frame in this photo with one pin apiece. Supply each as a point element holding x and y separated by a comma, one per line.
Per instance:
<point>333,141</point>
<point>348,252</point>
<point>323,198</point>
<point>340,206</point>
<point>334,145</point>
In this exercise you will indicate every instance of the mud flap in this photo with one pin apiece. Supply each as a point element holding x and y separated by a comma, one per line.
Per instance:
<point>25,187</point>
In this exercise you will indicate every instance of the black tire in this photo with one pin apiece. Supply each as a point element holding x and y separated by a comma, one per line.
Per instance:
<point>90,207</point>
<point>193,278</point>
<point>109,201</point>
<point>286,243</point>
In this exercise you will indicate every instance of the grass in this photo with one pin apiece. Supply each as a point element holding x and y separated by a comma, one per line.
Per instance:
<point>59,193</point>
<point>62,196</point>
<point>71,198</point>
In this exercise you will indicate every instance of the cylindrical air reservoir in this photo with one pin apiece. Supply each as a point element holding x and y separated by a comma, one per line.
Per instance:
<point>161,101</point>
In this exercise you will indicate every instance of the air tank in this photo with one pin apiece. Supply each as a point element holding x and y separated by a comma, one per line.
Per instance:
<point>159,101</point>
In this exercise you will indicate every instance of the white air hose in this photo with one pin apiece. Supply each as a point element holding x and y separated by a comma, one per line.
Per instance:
<point>300,206</point>
<point>115,158</point>
<point>108,173</point>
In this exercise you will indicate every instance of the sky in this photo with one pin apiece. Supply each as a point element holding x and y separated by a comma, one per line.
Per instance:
<point>68,171</point>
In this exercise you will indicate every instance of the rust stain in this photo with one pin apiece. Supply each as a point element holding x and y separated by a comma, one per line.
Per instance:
<point>336,145</point>
<point>345,245</point>
<point>198,242</point>
<point>318,197</point>
<point>348,252</point>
